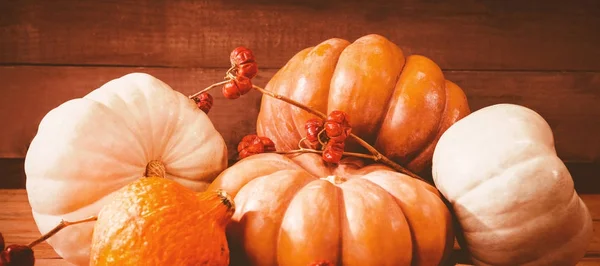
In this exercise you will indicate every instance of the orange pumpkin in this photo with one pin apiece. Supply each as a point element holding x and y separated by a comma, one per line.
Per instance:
<point>399,104</point>
<point>296,210</point>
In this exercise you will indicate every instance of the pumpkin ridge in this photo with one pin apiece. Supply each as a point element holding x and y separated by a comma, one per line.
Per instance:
<point>422,193</point>
<point>431,138</point>
<point>168,133</point>
<point>533,257</point>
<point>149,126</point>
<point>137,137</point>
<point>92,96</point>
<point>389,100</point>
<point>280,234</point>
<point>318,67</point>
<point>505,166</point>
<point>341,215</point>
<point>401,137</point>
<point>285,84</point>
<point>286,194</point>
<point>369,62</point>
<point>401,230</point>
<point>397,202</point>
<point>47,125</point>
<point>455,108</point>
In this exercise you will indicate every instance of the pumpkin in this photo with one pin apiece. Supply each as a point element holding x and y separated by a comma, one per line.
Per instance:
<point>512,195</point>
<point>399,104</point>
<point>157,221</point>
<point>88,148</point>
<point>298,210</point>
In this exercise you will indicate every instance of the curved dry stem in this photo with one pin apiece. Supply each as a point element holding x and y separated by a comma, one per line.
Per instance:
<point>209,88</point>
<point>305,150</point>
<point>59,227</point>
<point>290,101</point>
<point>319,138</point>
<point>381,158</point>
<point>376,155</point>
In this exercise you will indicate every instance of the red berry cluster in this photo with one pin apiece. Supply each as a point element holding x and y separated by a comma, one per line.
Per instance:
<point>15,255</point>
<point>244,69</point>
<point>337,129</point>
<point>204,101</point>
<point>314,127</point>
<point>254,144</point>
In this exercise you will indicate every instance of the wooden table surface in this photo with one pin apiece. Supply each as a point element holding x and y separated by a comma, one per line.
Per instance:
<point>18,227</point>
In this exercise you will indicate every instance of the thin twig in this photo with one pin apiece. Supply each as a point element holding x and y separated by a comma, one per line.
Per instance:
<point>59,227</point>
<point>290,101</point>
<point>208,88</point>
<point>381,158</point>
<point>305,150</point>
<point>377,156</point>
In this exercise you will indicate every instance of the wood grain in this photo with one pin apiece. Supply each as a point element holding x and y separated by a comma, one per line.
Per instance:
<point>17,226</point>
<point>30,92</point>
<point>462,34</point>
<point>568,101</point>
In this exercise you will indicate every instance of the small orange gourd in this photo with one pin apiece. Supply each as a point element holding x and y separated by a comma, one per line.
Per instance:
<point>157,221</point>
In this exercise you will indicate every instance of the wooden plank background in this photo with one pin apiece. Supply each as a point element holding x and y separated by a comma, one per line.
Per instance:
<point>540,54</point>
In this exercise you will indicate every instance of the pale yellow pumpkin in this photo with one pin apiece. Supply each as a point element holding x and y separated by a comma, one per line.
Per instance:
<point>512,195</point>
<point>88,148</point>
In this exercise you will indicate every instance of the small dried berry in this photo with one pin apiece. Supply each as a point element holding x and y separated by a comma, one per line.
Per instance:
<point>241,55</point>
<point>18,255</point>
<point>333,151</point>
<point>313,127</point>
<point>237,87</point>
<point>244,62</point>
<point>254,144</point>
<point>338,126</point>
<point>248,70</point>
<point>204,101</point>
<point>1,242</point>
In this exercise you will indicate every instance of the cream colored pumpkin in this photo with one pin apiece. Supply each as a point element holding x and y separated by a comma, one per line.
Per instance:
<point>87,148</point>
<point>512,195</point>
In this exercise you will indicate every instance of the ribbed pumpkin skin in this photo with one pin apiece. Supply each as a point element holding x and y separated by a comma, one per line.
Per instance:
<point>512,195</point>
<point>399,104</point>
<point>296,211</point>
<point>87,148</point>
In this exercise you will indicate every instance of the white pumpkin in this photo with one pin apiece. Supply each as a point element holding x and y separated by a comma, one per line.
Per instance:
<point>512,195</point>
<point>87,148</point>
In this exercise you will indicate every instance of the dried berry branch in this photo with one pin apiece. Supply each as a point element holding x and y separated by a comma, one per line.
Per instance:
<point>238,82</point>
<point>22,255</point>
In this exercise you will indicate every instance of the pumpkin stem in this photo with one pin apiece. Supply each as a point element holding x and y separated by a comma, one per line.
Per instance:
<point>59,227</point>
<point>222,205</point>
<point>155,168</point>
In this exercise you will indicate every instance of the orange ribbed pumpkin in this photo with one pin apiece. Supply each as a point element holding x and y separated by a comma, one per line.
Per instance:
<point>297,211</point>
<point>399,104</point>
